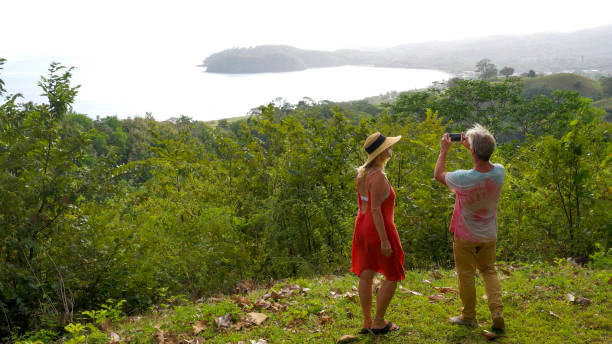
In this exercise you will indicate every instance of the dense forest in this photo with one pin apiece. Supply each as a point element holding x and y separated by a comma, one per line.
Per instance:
<point>137,209</point>
<point>545,52</point>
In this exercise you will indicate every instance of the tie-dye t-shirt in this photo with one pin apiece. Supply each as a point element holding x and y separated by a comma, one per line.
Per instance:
<point>477,194</point>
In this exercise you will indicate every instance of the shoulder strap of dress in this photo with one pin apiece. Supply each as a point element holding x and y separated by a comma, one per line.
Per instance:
<point>373,172</point>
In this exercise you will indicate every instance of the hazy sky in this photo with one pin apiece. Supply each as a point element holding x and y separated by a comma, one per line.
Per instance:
<point>191,30</point>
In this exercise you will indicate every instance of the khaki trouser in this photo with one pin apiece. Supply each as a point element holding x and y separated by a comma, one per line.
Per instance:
<point>469,256</point>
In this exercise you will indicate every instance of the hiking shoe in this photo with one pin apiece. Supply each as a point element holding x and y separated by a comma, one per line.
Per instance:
<point>460,320</point>
<point>498,321</point>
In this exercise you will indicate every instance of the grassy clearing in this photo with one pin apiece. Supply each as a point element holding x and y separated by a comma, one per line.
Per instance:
<point>563,81</point>
<point>537,310</point>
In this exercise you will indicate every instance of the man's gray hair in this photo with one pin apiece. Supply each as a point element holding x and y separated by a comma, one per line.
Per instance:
<point>481,141</point>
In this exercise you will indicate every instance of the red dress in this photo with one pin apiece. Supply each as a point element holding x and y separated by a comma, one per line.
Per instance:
<point>366,243</point>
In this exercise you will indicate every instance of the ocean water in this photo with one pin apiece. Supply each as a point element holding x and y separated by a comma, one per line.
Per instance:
<point>130,87</point>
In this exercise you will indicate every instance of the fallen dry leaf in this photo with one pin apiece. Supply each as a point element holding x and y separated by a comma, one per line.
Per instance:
<point>196,340</point>
<point>224,321</point>
<point>437,297</point>
<point>350,296</point>
<point>408,291</point>
<point>489,335</point>
<point>114,338</point>
<point>552,314</point>
<point>485,297</point>
<point>426,281</point>
<point>354,288</point>
<point>583,301</point>
<point>610,280</point>
<point>241,301</point>
<point>347,338</point>
<point>505,272</point>
<point>240,325</point>
<point>570,297</point>
<point>244,287</point>
<point>171,340</point>
<point>199,326</point>
<point>445,290</point>
<point>159,337</point>
<point>259,341</point>
<point>324,319</point>
<point>273,295</point>
<point>256,318</point>
<point>262,304</point>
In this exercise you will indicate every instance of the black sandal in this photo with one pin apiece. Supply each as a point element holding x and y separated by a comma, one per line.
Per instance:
<point>364,331</point>
<point>388,328</point>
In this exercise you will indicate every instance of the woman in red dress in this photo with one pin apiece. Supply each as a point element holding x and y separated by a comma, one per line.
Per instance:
<point>376,244</point>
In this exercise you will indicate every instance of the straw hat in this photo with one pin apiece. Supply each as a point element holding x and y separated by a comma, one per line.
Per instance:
<point>376,144</point>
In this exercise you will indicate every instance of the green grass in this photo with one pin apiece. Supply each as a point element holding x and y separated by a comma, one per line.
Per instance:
<point>531,295</point>
<point>562,81</point>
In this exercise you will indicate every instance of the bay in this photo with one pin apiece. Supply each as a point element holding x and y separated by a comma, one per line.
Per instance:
<point>129,87</point>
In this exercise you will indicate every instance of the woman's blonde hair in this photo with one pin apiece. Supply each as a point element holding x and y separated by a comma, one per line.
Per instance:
<point>379,162</point>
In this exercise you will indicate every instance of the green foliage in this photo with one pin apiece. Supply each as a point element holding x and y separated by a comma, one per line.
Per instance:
<point>486,70</point>
<point>606,85</point>
<point>606,105</point>
<point>545,85</point>
<point>2,90</point>
<point>109,311</point>
<point>601,258</point>
<point>79,333</point>
<point>136,209</point>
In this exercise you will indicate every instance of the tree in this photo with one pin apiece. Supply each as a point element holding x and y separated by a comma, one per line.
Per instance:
<point>606,84</point>
<point>44,176</point>
<point>506,71</point>
<point>222,123</point>
<point>486,70</point>
<point>531,73</point>
<point>1,82</point>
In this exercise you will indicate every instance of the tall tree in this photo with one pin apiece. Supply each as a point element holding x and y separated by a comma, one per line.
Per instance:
<point>486,70</point>
<point>506,71</point>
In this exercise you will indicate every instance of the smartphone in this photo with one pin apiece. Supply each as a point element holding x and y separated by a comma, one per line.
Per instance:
<point>455,137</point>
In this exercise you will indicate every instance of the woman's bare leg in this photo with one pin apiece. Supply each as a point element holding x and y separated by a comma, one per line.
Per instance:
<point>365,296</point>
<point>385,294</point>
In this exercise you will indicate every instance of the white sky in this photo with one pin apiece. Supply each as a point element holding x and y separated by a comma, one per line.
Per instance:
<point>192,30</point>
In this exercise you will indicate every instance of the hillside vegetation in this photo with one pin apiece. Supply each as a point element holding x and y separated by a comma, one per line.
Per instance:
<point>605,104</point>
<point>545,85</point>
<point>544,52</point>
<point>270,58</point>
<point>142,210</point>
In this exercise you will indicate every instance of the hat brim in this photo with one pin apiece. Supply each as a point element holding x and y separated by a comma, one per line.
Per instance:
<point>389,141</point>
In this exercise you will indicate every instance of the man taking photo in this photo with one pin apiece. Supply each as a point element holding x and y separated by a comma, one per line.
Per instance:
<point>474,222</point>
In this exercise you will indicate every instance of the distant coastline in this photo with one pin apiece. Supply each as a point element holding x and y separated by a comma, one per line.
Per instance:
<point>581,50</point>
